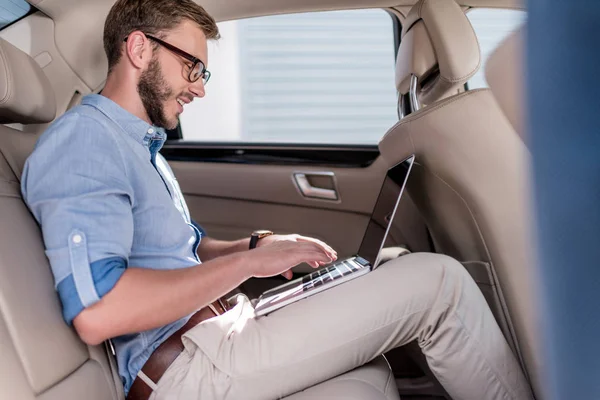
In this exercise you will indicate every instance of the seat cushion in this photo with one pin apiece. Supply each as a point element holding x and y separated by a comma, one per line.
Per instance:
<point>373,381</point>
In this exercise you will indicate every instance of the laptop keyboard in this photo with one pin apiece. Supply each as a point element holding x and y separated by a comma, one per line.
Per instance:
<point>334,271</point>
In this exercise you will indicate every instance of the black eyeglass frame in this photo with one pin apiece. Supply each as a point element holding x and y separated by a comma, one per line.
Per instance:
<point>204,73</point>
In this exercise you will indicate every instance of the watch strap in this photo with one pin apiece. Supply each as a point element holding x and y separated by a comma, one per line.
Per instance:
<point>253,241</point>
<point>256,235</point>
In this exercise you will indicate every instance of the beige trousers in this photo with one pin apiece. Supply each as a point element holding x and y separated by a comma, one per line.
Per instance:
<point>425,297</point>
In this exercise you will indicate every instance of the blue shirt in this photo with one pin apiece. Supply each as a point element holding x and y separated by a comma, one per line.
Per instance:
<point>106,199</point>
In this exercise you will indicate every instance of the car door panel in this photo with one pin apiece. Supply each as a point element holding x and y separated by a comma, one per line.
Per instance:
<point>231,198</point>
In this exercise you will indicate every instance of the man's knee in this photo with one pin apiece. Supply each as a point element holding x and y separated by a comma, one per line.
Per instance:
<point>434,274</point>
<point>429,266</point>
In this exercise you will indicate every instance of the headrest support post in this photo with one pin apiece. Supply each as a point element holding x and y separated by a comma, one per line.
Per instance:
<point>415,105</point>
<point>402,106</point>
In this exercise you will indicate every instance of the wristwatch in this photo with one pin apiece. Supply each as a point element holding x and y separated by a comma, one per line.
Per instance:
<point>256,235</point>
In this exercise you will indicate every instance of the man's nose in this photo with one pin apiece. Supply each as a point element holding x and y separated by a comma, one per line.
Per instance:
<point>197,88</point>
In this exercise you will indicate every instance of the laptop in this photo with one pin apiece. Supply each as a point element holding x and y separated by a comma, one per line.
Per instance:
<point>367,259</point>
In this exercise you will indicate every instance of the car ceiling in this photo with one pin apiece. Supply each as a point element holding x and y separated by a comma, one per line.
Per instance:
<point>79,23</point>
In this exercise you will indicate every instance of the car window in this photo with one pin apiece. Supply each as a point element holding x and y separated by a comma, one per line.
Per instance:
<point>322,77</point>
<point>12,10</point>
<point>492,26</point>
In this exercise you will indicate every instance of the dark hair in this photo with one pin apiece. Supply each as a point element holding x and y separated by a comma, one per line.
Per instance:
<point>153,17</point>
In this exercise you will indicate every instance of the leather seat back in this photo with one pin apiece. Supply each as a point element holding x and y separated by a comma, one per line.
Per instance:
<point>42,357</point>
<point>470,178</point>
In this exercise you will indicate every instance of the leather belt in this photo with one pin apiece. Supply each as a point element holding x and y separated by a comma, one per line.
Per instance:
<point>167,352</point>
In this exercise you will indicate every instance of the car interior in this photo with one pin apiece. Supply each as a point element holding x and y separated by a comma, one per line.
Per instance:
<point>467,196</point>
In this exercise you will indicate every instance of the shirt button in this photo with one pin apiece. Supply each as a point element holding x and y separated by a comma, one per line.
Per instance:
<point>77,239</point>
<point>151,131</point>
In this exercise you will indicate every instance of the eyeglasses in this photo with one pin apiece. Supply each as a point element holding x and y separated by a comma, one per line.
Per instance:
<point>197,70</point>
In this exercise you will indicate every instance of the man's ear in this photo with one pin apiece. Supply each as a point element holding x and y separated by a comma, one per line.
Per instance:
<point>138,49</point>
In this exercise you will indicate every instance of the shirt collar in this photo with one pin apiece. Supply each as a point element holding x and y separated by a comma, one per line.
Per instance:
<point>135,127</point>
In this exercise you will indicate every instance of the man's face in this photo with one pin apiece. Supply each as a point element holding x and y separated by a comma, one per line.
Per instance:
<point>164,84</point>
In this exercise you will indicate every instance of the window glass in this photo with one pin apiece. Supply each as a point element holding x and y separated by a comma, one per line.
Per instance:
<point>12,10</point>
<point>492,26</point>
<point>325,77</point>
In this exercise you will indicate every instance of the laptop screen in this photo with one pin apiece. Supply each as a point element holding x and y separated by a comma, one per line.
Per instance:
<point>384,211</point>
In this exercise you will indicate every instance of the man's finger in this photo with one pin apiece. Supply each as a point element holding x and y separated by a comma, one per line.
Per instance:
<point>287,274</point>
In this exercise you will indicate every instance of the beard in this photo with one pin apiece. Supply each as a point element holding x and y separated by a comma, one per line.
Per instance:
<point>154,92</point>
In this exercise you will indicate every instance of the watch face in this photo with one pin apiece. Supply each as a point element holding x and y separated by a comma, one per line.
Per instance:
<point>262,233</point>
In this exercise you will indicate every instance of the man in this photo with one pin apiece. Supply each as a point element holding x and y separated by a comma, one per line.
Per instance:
<point>126,255</point>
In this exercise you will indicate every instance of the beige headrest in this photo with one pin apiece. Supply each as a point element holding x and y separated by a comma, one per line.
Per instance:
<point>439,46</point>
<point>504,73</point>
<point>26,95</point>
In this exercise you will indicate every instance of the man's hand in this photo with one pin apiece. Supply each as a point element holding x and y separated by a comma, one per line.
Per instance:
<point>210,248</point>
<point>277,254</point>
<point>297,238</point>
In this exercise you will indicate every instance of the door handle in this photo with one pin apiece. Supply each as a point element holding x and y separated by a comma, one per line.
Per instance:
<point>313,192</point>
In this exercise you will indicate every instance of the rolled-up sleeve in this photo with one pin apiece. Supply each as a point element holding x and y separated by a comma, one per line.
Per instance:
<point>200,229</point>
<point>75,184</point>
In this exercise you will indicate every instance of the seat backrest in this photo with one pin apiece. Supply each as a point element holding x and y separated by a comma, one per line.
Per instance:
<point>470,176</point>
<point>42,357</point>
